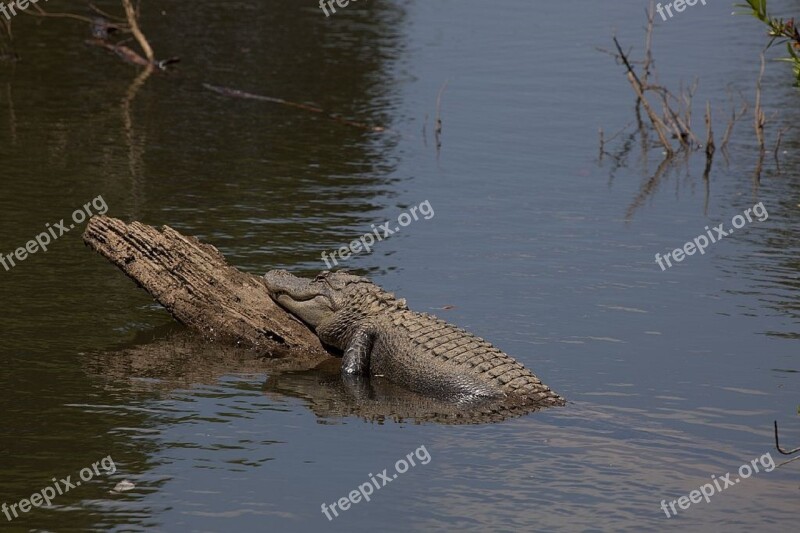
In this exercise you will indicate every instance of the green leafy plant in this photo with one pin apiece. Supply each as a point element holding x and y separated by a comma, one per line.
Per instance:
<point>780,31</point>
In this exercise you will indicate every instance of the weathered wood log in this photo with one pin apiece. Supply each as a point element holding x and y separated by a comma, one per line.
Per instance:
<point>195,284</point>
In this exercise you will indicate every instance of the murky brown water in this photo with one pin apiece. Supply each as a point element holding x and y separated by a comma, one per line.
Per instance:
<point>672,376</point>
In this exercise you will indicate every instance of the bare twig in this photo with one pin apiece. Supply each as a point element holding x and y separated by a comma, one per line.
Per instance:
<point>604,140</point>
<point>778,146</point>
<point>236,93</point>
<point>633,79</point>
<point>706,186</point>
<point>602,144</point>
<point>710,149</point>
<point>687,101</point>
<point>648,43</point>
<point>105,14</point>
<point>127,54</point>
<point>681,129</point>
<point>787,462</point>
<point>758,171</point>
<point>778,445</point>
<point>729,129</point>
<point>759,120</point>
<point>710,146</point>
<point>132,17</point>
<point>759,117</point>
<point>425,131</point>
<point>39,12</point>
<point>438,121</point>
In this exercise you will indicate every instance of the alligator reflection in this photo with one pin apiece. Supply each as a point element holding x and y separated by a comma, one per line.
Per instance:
<point>331,396</point>
<point>182,360</point>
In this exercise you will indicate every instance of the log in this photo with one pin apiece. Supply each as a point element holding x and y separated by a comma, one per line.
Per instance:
<point>196,285</point>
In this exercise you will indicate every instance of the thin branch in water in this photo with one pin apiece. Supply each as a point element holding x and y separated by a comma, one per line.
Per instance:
<point>710,149</point>
<point>236,93</point>
<point>778,445</point>
<point>438,121</point>
<point>648,42</point>
<point>425,131</point>
<point>39,12</point>
<point>787,462</point>
<point>710,146</point>
<point>758,171</point>
<point>105,14</point>
<point>602,144</point>
<point>759,120</point>
<point>759,117</point>
<point>778,146</point>
<point>638,88</point>
<point>604,140</point>
<point>625,127</point>
<point>128,55</point>
<point>681,129</point>
<point>729,129</point>
<point>687,98</point>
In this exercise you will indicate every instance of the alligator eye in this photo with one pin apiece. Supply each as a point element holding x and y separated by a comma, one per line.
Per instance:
<point>322,275</point>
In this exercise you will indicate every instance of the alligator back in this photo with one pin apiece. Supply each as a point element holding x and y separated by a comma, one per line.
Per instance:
<point>431,356</point>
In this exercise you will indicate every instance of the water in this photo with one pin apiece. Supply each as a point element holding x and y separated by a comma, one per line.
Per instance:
<point>672,376</point>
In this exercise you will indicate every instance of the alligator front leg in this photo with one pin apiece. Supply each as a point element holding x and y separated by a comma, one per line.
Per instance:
<point>357,353</point>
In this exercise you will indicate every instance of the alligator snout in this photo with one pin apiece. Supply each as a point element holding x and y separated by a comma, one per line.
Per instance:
<point>282,282</point>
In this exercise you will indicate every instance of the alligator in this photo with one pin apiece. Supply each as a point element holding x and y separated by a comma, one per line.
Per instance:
<point>380,337</point>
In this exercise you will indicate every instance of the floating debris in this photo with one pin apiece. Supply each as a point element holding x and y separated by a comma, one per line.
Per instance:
<point>122,486</point>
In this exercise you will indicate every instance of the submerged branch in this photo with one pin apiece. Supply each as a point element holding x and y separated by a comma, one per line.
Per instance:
<point>236,93</point>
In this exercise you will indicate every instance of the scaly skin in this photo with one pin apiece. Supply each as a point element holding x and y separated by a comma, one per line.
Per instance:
<point>380,336</point>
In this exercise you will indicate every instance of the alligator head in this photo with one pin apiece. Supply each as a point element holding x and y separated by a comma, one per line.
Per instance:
<point>313,301</point>
<point>331,303</point>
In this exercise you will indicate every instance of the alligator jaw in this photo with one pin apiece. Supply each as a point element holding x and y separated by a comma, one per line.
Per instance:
<point>282,283</point>
<point>306,299</point>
